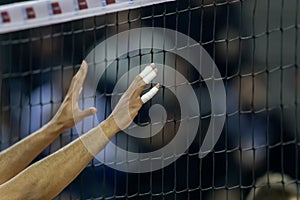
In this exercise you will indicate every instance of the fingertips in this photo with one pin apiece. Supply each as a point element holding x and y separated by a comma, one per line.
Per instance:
<point>149,77</point>
<point>84,63</point>
<point>149,73</point>
<point>83,68</point>
<point>80,77</point>
<point>149,95</point>
<point>93,110</point>
<point>144,78</point>
<point>146,71</point>
<point>153,65</point>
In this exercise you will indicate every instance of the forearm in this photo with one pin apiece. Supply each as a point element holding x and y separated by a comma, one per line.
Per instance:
<point>48,177</point>
<point>17,157</point>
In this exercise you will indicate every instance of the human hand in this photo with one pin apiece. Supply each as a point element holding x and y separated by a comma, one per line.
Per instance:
<point>131,101</point>
<point>64,117</point>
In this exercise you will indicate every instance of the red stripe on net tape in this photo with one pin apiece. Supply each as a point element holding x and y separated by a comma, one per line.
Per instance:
<point>5,17</point>
<point>56,8</point>
<point>110,1</point>
<point>82,4</point>
<point>31,14</point>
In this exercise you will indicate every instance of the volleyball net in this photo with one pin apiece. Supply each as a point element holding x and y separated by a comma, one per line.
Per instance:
<point>254,44</point>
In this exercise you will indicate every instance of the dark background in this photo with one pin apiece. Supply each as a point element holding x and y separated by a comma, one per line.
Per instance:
<point>255,45</point>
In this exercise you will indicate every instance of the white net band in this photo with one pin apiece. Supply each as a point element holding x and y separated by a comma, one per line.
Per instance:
<point>20,16</point>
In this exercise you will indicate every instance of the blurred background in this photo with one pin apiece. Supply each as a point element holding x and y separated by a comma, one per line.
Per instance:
<point>255,45</point>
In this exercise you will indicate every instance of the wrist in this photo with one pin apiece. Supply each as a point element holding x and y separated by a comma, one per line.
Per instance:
<point>55,127</point>
<point>110,127</point>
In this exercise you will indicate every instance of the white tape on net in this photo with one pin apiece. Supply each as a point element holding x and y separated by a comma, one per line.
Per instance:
<point>20,16</point>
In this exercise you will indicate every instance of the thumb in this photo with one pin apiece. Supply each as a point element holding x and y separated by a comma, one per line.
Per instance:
<point>88,112</point>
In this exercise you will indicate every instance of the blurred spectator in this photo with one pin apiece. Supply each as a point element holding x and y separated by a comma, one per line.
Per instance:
<point>274,187</point>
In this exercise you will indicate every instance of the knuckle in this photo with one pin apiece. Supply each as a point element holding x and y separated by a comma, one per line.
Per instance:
<point>138,78</point>
<point>142,82</point>
<point>140,102</point>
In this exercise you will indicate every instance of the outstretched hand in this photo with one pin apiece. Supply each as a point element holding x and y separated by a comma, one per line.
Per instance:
<point>69,108</point>
<point>124,112</point>
<point>130,103</point>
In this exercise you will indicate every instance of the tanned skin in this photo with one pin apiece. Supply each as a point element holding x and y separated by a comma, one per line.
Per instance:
<point>16,158</point>
<point>48,177</point>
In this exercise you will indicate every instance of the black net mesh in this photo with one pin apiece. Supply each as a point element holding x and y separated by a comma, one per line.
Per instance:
<point>255,44</point>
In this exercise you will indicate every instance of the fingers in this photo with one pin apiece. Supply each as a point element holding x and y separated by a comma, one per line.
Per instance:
<point>149,73</point>
<point>79,79</point>
<point>81,74</point>
<point>88,112</point>
<point>144,78</point>
<point>146,97</point>
<point>147,70</point>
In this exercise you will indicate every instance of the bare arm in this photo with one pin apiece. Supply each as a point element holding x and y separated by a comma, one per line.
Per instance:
<point>17,157</point>
<point>48,177</point>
